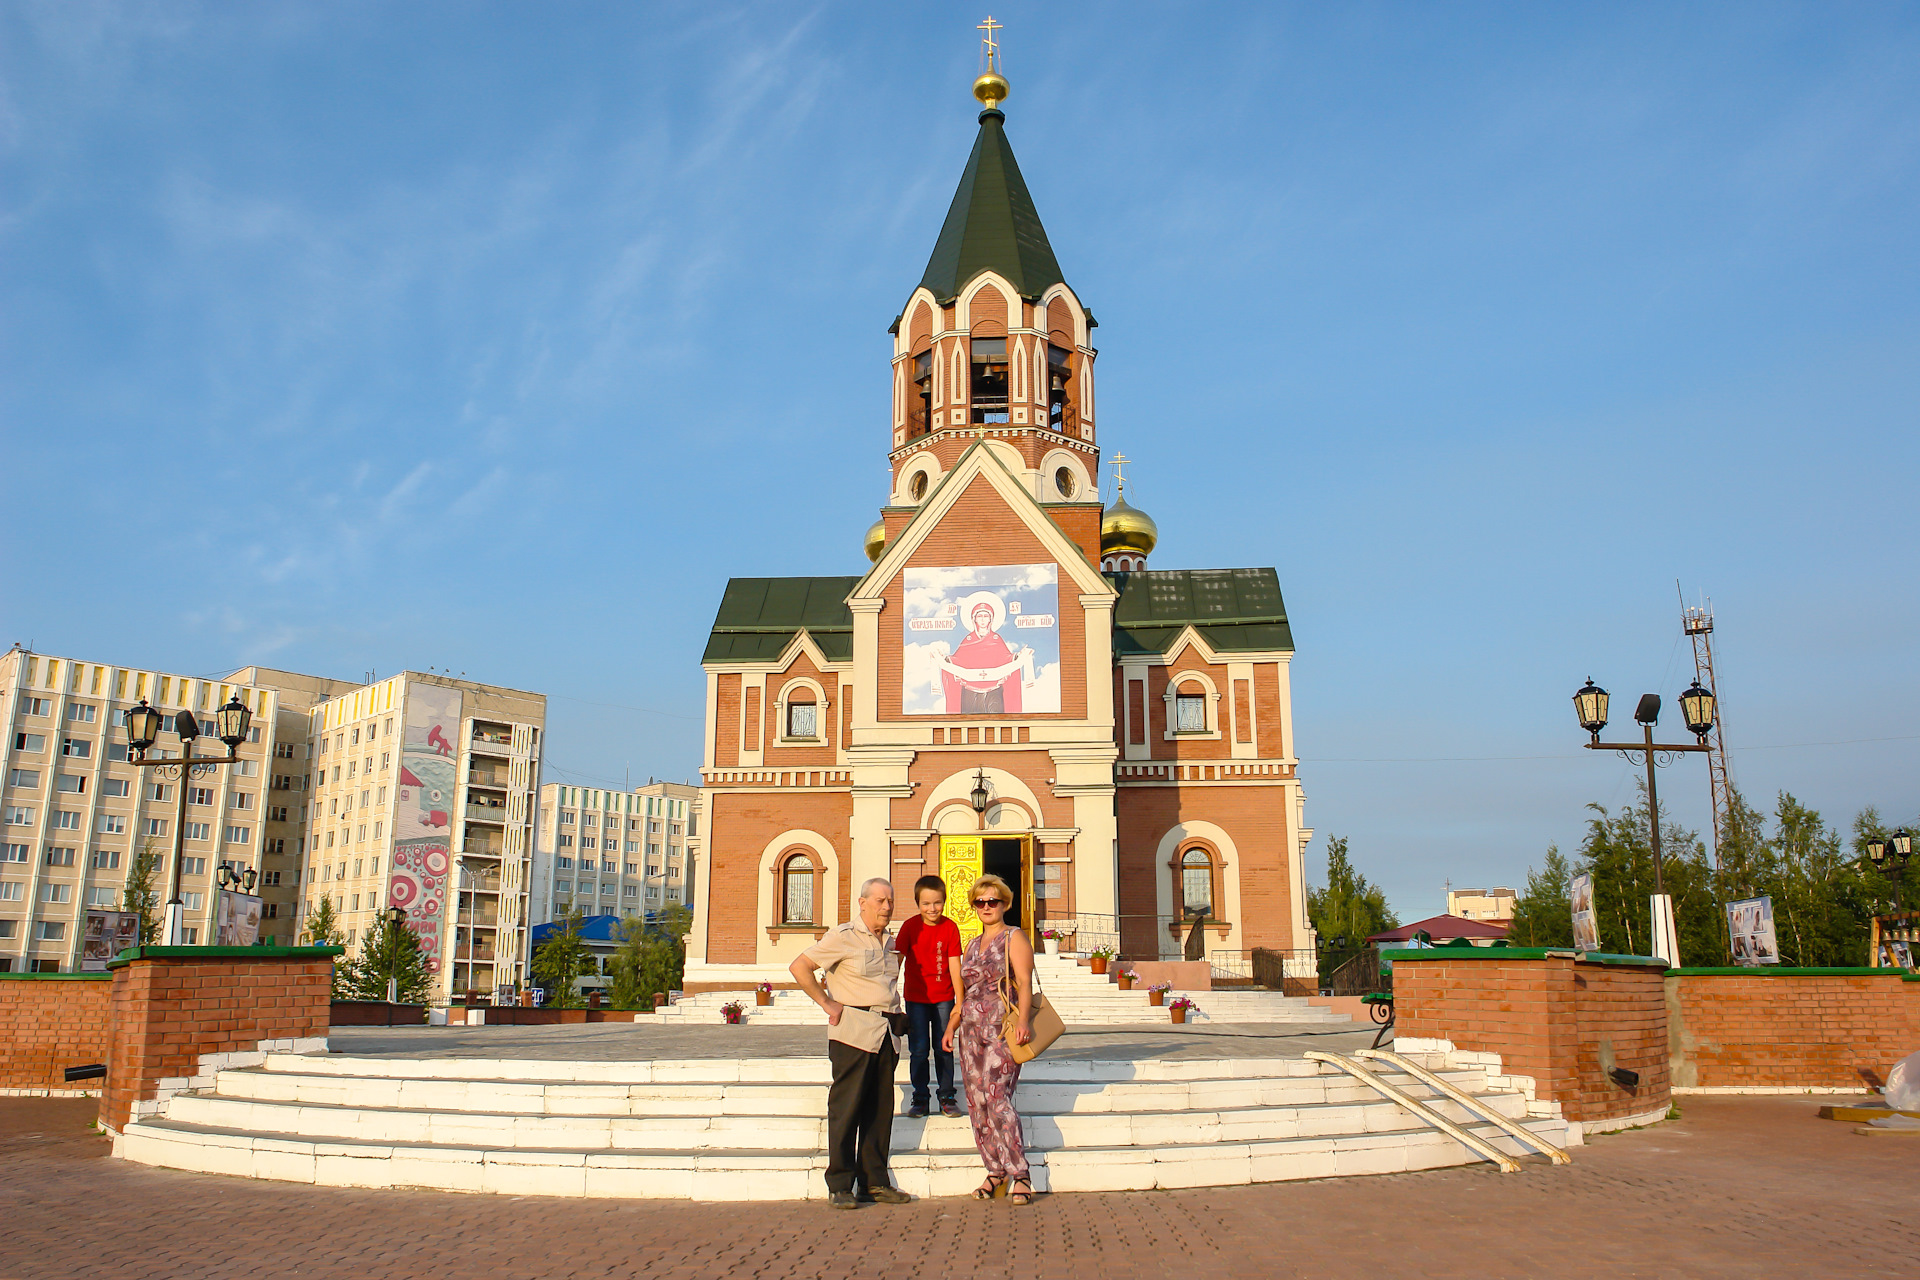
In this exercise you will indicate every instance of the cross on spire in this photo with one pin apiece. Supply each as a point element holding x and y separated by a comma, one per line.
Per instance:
<point>990,45</point>
<point>1120,460</point>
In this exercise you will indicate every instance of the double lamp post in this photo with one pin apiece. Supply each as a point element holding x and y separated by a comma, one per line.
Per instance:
<point>230,724</point>
<point>1696,708</point>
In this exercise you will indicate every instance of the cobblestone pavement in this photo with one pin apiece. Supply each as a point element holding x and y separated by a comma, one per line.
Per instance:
<point>1736,1187</point>
<point>639,1041</point>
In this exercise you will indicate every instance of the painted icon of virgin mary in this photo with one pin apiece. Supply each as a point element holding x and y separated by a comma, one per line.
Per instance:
<point>983,675</point>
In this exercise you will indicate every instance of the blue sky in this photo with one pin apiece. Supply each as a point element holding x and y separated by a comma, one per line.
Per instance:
<point>496,337</point>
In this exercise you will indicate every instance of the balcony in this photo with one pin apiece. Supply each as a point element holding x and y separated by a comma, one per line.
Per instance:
<point>487,807</point>
<point>484,773</point>
<point>495,739</point>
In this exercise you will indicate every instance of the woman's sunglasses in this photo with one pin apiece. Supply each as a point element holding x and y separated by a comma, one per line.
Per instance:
<point>987,902</point>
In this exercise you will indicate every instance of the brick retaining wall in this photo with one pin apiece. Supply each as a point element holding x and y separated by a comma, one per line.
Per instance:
<point>178,1013</point>
<point>1765,1029</point>
<point>49,1022</point>
<point>1564,1022</point>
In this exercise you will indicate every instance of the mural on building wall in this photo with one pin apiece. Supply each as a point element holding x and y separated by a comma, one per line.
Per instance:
<point>981,640</point>
<point>422,822</point>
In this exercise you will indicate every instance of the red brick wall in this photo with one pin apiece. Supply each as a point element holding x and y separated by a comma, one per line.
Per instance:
<point>738,830</point>
<point>1552,1019</point>
<point>49,1024</point>
<point>1786,1030</point>
<point>1252,817</point>
<point>167,1011</point>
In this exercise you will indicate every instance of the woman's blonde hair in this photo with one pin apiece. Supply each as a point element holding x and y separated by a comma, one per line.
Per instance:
<point>1001,889</point>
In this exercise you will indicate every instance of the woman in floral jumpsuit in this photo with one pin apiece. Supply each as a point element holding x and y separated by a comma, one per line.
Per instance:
<point>985,1061</point>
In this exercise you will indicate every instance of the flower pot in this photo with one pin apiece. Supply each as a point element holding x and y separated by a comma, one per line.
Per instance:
<point>1156,998</point>
<point>1053,946</point>
<point>1179,1015</point>
<point>1099,964</point>
<point>762,998</point>
<point>1126,982</point>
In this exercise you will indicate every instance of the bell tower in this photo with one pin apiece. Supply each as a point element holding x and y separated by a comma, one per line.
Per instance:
<point>992,344</point>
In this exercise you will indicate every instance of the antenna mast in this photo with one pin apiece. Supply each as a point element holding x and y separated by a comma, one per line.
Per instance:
<point>1697,622</point>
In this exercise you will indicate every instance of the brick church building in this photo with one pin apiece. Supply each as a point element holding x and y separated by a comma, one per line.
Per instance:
<point>1009,687</point>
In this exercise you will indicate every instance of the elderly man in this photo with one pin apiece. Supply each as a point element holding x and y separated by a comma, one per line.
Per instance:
<point>863,971</point>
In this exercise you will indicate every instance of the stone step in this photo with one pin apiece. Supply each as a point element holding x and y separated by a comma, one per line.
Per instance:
<point>779,1175</point>
<point>807,1070</point>
<point>807,1133</point>
<point>1037,1094</point>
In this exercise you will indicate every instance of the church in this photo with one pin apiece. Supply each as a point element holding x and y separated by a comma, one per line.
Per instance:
<point>1009,687</point>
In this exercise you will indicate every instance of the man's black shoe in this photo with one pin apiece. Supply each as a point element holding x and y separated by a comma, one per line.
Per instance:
<point>889,1195</point>
<point>918,1111</point>
<point>950,1110</point>
<point>842,1200</point>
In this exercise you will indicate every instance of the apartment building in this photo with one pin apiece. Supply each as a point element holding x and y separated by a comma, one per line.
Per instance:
<point>75,811</point>
<point>422,796</point>
<point>1480,904</point>
<point>616,852</point>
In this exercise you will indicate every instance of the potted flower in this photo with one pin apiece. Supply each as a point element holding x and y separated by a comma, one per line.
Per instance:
<point>1125,978</point>
<point>1051,939</point>
<point>1099,957</point>
<point>763,995</point>
<point>1157,993</point>
<point>1178,1007</point>
<point>733,1011</point>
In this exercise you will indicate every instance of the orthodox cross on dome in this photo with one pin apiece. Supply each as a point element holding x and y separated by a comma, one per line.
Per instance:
<point>1120,460</point>
<point>989,46</point>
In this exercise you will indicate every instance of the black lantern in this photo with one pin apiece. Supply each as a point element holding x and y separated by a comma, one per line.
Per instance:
<point>183,724</point>
<point>232,720</point>
<point>1877,851</point>
<point>1901,844</point>
<point>978,796</point>
<point>143,725</point>
<point>396,916</point>
<point>1696,708</point>
<point>1590,703</point>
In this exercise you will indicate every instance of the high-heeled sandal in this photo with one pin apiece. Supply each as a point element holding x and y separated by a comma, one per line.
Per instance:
<point>1021,1197</point>
<point>990,1188</point>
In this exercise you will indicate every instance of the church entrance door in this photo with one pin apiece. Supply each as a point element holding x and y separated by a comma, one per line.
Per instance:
<point>1008,857</point>
<point>963,859</point>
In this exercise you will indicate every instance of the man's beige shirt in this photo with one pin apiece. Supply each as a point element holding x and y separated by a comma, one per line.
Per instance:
<point>861,968</point>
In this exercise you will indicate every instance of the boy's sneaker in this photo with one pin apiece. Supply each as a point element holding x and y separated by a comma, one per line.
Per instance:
<point>918,1111</point>
<point>950,1110</point>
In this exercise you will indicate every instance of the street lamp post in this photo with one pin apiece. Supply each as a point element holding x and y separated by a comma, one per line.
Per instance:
<point>228,880</point>
<point>1889,857</point>
<point>1696,707</point>
<point>229,724</point>
<point>396,921</point>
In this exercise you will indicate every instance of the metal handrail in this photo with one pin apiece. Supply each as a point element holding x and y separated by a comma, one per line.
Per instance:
<point>1467,1100</point>
<point>1419,1110</point>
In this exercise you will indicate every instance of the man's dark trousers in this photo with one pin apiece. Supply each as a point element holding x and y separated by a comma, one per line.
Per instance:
<point>860,1115</point>
<point>926,1024</point>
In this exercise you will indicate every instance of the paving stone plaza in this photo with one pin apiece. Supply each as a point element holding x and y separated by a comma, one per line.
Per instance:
<point>1735,1187</point>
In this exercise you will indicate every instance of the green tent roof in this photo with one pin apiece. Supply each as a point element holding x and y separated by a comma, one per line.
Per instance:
<point>992,224</point>
<point>759,617</point>
<point>1235,610</point>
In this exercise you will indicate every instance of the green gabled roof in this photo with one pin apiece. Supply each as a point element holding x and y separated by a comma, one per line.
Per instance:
<point>1235,610</point>
<point>992,224</point>
<point>759,617</point>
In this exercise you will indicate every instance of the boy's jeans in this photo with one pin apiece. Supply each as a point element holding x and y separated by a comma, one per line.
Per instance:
<point>926,1024</point>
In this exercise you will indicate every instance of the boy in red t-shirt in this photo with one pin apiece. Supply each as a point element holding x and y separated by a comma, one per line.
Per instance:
<point>929,944</point>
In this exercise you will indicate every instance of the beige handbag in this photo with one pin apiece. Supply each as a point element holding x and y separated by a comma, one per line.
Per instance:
<point>1045,1022</point>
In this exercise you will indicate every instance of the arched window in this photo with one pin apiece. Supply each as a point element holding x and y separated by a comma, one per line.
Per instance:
<point>1197,888</point>
<point>803,716</point>
<point>798,878</point>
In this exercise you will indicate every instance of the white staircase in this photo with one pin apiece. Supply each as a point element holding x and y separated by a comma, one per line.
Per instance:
<point>1084,999</point>
<point>726,1129</point>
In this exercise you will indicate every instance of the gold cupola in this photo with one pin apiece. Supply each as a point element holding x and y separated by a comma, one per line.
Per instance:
<point>1127,534</point>
<point>1125,527</point>
<point>876,540</point>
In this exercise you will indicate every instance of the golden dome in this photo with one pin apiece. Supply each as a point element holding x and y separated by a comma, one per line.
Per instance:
<point>991,89</point>
<point>876,539</point>
<point>1124,527</point>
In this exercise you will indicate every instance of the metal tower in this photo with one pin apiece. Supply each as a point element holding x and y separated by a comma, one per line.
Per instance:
<point>1697,621</point>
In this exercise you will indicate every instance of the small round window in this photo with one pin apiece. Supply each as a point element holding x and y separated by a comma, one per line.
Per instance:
<point>917,486</point>
<point>1066,482</point>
